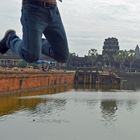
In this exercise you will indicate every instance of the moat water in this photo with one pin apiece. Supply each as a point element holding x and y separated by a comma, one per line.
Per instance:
<point>77,114</point>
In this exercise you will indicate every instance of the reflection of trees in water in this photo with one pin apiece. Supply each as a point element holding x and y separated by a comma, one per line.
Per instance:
<point>109,108</point>
<point>129,104</point>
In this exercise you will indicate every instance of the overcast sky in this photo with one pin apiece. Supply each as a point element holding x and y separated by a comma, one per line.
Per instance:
<point>88,22</point>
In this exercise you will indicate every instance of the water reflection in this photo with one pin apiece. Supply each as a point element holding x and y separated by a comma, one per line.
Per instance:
<point>11,104</point>
<point>72,113</point>
<point>127,83</point>
<point>92,103</point>
<point>108,109</point>
<point>96,87</point>
<point>130,105</point>
<point>111,104</point>
<point>48,108</point>
<point>39,107</point>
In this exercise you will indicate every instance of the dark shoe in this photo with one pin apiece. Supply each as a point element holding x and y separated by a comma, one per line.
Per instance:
<point>3,46</point>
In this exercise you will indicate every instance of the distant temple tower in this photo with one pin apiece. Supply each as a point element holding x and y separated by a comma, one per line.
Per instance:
<point>111,46</point>
<point>137,52</point>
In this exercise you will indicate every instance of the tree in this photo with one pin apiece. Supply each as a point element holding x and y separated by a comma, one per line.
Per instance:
<point>124,56</point>
<point>120,58</point>
<point>92,53</point>
<point>130,58</point>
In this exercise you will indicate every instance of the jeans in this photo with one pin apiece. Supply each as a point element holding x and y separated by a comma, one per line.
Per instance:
<point>37,21</point>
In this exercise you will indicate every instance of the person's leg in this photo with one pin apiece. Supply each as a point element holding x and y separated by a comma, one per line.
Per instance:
<point>55,45</point>
<point>3,42</point>
<point>29,48</point>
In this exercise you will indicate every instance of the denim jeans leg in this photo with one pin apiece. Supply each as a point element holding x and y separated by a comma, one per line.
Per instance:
<point>29,48</point>
<point>32,33</point>
<point>56,36</point>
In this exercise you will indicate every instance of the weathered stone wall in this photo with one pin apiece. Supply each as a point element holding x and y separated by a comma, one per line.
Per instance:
<point>19,82</point>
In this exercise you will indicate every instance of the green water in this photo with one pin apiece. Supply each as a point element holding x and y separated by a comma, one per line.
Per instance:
<point>73,115</point>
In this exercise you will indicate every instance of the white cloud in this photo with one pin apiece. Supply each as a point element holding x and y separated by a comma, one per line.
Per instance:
<point>10,16</point>
<point>101,19</point>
